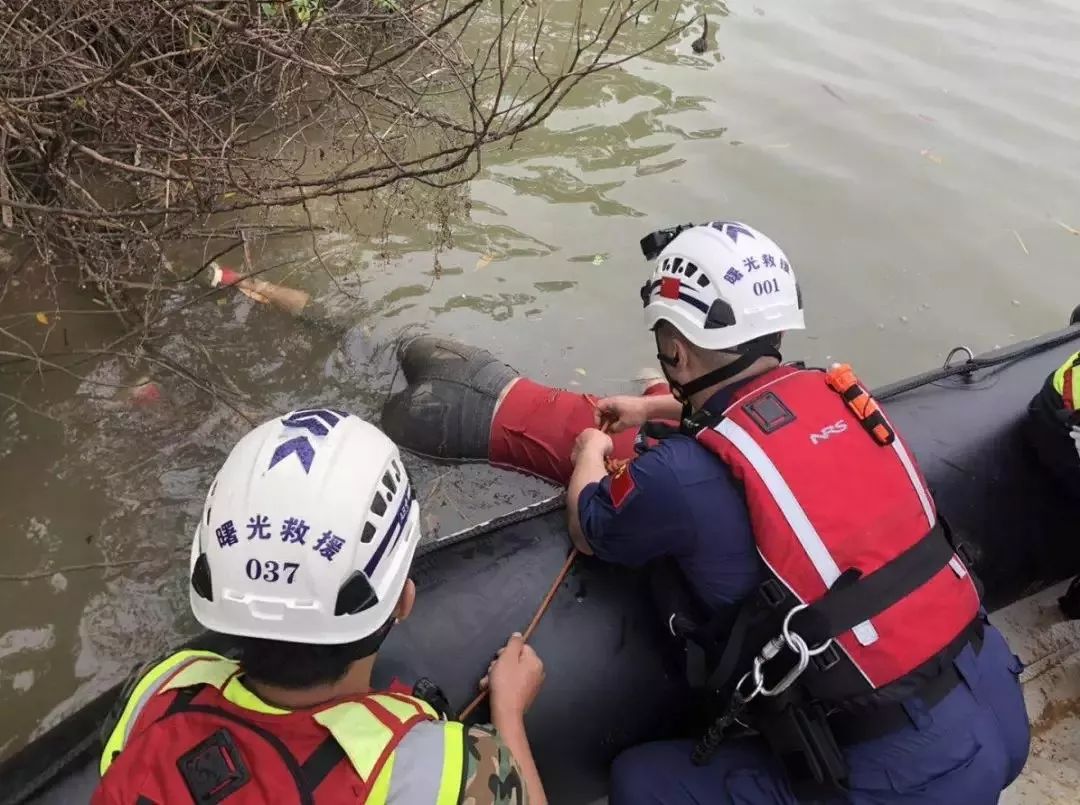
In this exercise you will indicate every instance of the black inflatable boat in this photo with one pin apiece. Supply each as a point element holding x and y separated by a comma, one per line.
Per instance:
<point>607,684</point>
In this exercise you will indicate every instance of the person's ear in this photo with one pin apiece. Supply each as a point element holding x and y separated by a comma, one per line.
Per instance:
<point>405,601</point>
<point>680,351</point>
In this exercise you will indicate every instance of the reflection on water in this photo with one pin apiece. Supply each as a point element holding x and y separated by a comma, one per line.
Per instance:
<point>918,163</point>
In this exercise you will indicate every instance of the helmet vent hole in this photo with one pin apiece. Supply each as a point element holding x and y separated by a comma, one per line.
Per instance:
<point>703,281</point>
<point>676,265</point>
<point>200,578</point>
<point>691,270</point>
<point>397,471</point>
<point>388,482</point>
<point>378,504</point>
<point>355,595</point>
<point>369,533</point>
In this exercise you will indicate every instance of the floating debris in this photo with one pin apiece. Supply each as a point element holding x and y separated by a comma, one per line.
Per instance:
<point>22,681</point>
<point>701,44</point>
<point>581,372</point>
<point>1020,241</point>
<point>1016,303</point>
<point>928,154</point>
<point>145,391</point>
<point>484,261</point>
<point>833,93</point>
<point>41,318</point>
<point>1067,228</point>
<point>599,259</point>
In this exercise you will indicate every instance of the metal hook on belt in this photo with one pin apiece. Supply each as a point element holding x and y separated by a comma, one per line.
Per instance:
<point>790,636</point>
<point>798,645</point>
<point>786,639</point>
<point>756,674</point>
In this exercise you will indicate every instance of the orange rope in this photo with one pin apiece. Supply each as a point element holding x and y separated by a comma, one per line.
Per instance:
<point>613,465</point>
<point>532,624</point>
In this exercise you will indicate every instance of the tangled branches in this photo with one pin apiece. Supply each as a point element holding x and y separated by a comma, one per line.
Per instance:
<point>130,126</point>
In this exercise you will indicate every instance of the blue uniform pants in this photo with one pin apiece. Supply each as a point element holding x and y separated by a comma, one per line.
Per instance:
<point>965,749</point>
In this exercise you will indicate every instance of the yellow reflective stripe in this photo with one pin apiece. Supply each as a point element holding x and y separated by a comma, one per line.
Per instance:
<point>214,671</point>
<point>1059,377</point>
<point>403,711</point>
<point>145,688</point>
<point>239,695</point>
<point>380,792</point>
<point>453,764</point>
<point>361,734</point>
<point>220,672</point>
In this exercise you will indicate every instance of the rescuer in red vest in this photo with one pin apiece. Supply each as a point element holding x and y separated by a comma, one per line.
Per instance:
<point>858,652</point>
<point>301,556</point>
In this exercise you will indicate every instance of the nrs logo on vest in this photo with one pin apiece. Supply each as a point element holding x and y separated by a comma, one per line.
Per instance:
<point>829,430</point>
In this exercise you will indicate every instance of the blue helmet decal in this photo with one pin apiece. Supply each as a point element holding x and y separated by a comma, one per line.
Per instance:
<point>732,230</point>
<point>318,422</point>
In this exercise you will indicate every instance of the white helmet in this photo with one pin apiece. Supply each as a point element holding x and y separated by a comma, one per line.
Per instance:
<point>307,534</point>
<point>723,284</point>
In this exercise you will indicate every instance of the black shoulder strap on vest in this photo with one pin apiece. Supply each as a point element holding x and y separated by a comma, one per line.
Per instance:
<point>854,598</point>
<point>323,760</point>
<point>183,699</point>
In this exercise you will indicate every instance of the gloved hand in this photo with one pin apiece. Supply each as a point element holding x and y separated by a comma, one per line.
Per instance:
<point>1074,434</point>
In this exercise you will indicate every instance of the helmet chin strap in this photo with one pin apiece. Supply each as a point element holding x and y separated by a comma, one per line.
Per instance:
<point>747,354</point>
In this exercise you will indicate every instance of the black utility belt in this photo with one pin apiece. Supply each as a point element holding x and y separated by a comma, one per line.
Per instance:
<point>877,721</point>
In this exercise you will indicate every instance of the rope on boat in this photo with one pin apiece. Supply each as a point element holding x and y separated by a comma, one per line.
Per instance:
<point>543,608</point>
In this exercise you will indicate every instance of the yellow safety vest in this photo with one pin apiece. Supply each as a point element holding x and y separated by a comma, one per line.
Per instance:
<point>427,766</point>
<point>1067,382</point>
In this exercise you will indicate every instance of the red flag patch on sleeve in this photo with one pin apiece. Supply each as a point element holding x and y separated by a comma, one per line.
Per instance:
<point>622,484</point>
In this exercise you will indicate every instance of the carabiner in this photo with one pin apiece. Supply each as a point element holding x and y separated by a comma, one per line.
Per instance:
<point>798,645</point>
<point>788,635</point>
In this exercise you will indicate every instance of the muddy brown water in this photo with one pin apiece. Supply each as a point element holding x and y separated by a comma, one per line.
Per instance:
<point>918,163</point>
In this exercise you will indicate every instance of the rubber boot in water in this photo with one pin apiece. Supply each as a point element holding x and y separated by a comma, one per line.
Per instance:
<point>447,407</point>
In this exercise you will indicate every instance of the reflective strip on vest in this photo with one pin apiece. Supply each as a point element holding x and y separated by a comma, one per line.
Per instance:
<point>1067,382</point>
<point>916,482</point>
<point>362,734</point>
<point>151,683</point>
<point>804,530</point>
<point>414,778</point>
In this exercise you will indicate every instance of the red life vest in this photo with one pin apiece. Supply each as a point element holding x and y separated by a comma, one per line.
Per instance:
<point>192,744</point>
<point>830,493</point>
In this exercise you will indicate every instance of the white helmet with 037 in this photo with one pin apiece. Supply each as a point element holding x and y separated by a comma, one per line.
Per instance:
<point>723,284</point>
<point>307,534</point>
